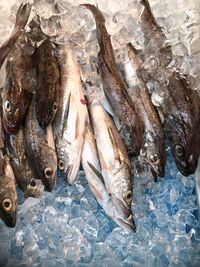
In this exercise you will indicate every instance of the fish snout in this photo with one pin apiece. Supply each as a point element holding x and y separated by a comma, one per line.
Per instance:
<point>10,218</point>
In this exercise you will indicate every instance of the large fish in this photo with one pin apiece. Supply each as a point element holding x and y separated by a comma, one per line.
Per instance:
<point>71,118</point>
<point>177,101</point>
<point>115,164</point>
<point>24,173</point>
<point>40,147</point>
<point>113,84</point>
<point>8,194</point>
<point>19,84</point>
<point>22,16</point>
<point>47,70</point>
<point>153,148</point>
<point>92,169</point>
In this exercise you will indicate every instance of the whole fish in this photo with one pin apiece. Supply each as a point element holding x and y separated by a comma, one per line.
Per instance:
<point>115,164</point>
<point>24,173</point>
<point>8,194</point>
<point>46,102</point>
<point>92,169</point>
<point>71,118</point>
<point>153,148</point>
<point>22,17</point>
<point>113,84</point>
<point>177,101</point>
<point>19,84</point>
<point>40,147</point>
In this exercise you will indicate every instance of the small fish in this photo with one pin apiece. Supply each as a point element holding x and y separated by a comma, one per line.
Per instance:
<point>24,173</point>
<point>40,147</point>
<point>92,169</point>
<point>153,148</point>
<point>176,99</point>
<point>8,194</point>
<point>47,69</point>
<point>115,164</point>
<point>22,17</point>
<point>19,84</point>
<point>70,121</point>
<point>113,84</point>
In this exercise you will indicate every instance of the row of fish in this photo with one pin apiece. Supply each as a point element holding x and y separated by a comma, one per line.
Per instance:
<point>49,123</point>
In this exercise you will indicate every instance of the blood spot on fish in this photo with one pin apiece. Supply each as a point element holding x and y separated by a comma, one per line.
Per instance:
<point>83,101</point>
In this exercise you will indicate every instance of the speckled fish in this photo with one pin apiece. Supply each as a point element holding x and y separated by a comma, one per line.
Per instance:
<point>47,70</point>
<point>19,84</point>
<point>113,84</point>
<point>24,173</point>
<point>92,169</point>
<point>40,147</point>
<point>8,194</point>
<point>71,118</point>
<point>177,101</point>
<point>153,148</point>
<point>22,16</point>
<point>115,164</point>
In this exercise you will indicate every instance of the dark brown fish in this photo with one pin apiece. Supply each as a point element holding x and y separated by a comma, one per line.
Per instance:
<point>114,86</point>
<point>47,83</point>
<point>22,16</point>
<point>177,101</point>
<point>153,148</point>
<point>24,173</point>
<point>40,147</point>
<point>8,194</point>
<point>19,84</point>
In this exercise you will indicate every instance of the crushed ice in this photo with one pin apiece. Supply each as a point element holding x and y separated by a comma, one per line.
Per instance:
<point>68,227</point>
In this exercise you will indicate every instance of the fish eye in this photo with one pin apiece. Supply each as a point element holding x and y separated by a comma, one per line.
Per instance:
<point>155,159</point>
<point>48,172</point>
<point>55,106</point>
<point>129,195</point>
<point>179,150</point>
<point>61,165</point>
<point>7,204</point>
<point>7,105</point>
<point>33,183</point>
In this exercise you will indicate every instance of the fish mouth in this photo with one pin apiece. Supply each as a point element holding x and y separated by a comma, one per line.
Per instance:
<point>186,169</point>
<point>10,219</point>
<point>128,225</point>
<point>71,173</point>
<point>10,128</point>
<point>50,182</point>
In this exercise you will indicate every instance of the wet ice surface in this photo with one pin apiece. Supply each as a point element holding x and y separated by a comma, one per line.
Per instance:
<point>69,228</point>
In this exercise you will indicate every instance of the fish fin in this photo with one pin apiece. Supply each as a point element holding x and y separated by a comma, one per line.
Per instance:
<point>23,14</point>
<point>66,113</point>
<point>96,172</point>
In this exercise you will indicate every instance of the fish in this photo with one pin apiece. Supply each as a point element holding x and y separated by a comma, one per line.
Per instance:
<point>175,97</point>
<point>153,148</point>
<point>197,187</point>
<point>25,174</point>
<point>47,72</point>
<point>19,84</point>
<point>114,160</point>
<point>71,119</point>
<point>8,194</point>
<point>22,17</point>
<point>113,84</point>
<point>91,166</point>
<point>40,148</point>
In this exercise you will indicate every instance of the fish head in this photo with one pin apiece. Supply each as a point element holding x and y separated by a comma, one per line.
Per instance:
<point>34,188</point>
<point>49,176</point>
<point>8,207</point>
<point>153,151</point>
<point>14,107</point>
<point>184,146</point>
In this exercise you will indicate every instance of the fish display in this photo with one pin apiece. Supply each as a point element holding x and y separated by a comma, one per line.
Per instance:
<point>46,100</point>
<point>113,84</point>
<point>153,147</point>
<point>19,84</point>
<point>40,147</point>
<point>71,118</point>
<point>22,17</point>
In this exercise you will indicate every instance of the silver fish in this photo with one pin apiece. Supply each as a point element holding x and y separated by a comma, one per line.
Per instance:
<point>70,121</point>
